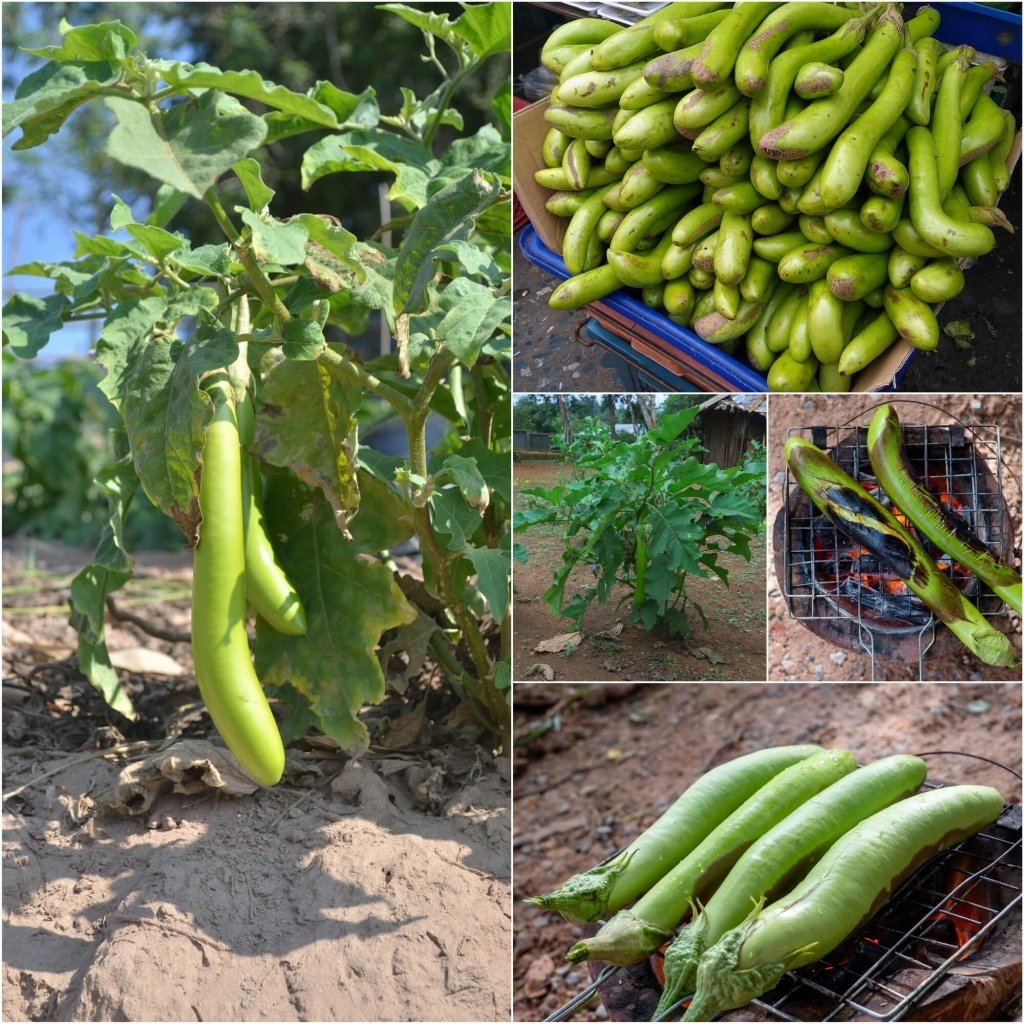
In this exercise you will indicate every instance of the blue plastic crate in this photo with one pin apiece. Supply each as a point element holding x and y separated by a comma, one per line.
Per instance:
<point>988,29</point>
<point>738,375</point>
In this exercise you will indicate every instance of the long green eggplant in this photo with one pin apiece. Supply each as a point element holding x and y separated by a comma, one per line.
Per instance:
<point>633,934</point>
<point>857,515</point>
<point>606,888</point>
<point>783,855</point>
<point>941,526</point>
<point>839,894</point>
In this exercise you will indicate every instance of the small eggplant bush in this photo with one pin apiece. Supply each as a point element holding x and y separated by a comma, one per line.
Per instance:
<point>647,514</point>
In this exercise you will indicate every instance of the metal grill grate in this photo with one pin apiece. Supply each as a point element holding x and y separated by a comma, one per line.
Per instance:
<point>860,977</point>
<point>961,461</point>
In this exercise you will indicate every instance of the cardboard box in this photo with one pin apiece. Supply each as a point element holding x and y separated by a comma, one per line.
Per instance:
<point>529,129</point>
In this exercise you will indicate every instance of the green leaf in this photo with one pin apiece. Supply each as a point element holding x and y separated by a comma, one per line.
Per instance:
<point>475,261</point>
<point>189,146</point>
<point>110,568</point>
<point>372,151</point>
<point>48,97</point>
<point>121,215</point>
<point>192,303</point>
<point>124,330</point>
<point>454,517</point>
<point>484,151</point>
<point>435,24</point>
<point>28,322</point>
<point>473,314</point>
<point>79,280</point>
<point>248,84</point>
<point>492,465</point>
<point>307,424</point>
<point>329,258</point>
<point>384,518</point>
<point>350,603</point>
<point>377,269</point>
<point>274,241</point>
<point>207,260</point>
<point>352,110</point>
<point>487,28</point>
<point>466,475</point>
<point>259,195</point>
<point>445,214</point>
<point>493,569</point>
<point>109,41</point>
<point>672,425</point>
<point>303,339</point>
<point>157,242</point>
<point>166,416</point>
<point>100,245</point>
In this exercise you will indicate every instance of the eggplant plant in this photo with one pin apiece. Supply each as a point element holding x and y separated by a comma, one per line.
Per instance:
<point>232,359</point>
<point>646,513</point>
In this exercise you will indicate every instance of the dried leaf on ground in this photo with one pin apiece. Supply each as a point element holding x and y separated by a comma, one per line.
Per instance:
<point>557,644</point>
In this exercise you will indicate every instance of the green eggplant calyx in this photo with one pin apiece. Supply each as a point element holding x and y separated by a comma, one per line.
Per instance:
<point>584,897</point>
<point>723,985</point>
<point>625,940</point>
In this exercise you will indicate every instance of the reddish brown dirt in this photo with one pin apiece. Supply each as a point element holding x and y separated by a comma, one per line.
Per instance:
<point>794,652</point>
<point>621,754</point>
<point>735,613</point>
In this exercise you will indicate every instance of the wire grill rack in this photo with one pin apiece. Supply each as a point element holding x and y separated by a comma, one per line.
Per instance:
<point>967,461</point>
<point>860,978</point>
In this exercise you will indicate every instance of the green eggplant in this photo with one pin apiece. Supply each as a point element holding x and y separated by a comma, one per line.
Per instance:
<point>941,526</point>
<point>861,518</point>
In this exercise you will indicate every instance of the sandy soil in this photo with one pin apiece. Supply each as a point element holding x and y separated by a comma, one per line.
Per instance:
<point>593,772</point>
<point>794,652</point>
<point>731,648</point>
<point>374,889</point>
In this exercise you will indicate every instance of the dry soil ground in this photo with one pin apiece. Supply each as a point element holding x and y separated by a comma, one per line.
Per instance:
<point>596,765</point>
<point>370,889</point>
<point>731,648</point>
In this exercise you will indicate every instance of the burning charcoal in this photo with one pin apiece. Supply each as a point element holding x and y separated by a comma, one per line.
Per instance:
<point>902,607</point>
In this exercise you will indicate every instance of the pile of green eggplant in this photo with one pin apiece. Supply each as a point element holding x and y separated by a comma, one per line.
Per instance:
<point>801,181</point>
<point>771,860</point>
<point>859,516</point>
